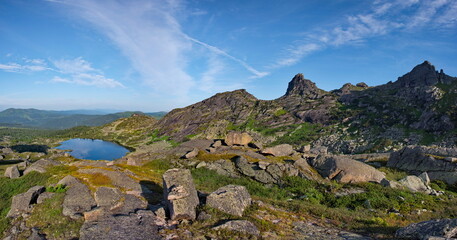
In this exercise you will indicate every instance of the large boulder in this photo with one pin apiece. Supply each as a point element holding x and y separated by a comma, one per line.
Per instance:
<point>346,170</point>
<point>414,184</point>
<point>243,226</point>
<point>279,150</point>
<point>135,226</point>
<point>237,138</point>
<point>23,203</point>
<point>180,194</point>
<point>440,228</point>
<point>436,161</point>
<point>231,199</point>
<point>78,198</point>
<point>12,172</point>
<point>40,166</point>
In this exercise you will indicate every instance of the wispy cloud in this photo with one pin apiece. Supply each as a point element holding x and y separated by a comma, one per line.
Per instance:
<point>150,36</point>
<point>383,18</point>
<point>79,71</point>
<point>26,65</point>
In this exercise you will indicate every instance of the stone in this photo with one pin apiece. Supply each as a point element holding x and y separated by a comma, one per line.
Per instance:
<point>362,85</point>
<point>346,170</point>
<point>78,198</point>
<point>44,196</point>
<point>23,203</point>
<point>425,178</point>
<point>391,184</point>
<point>180,194</point>
<point>135,226</point>
<point>305,149</point>
<point>203,216</point>
<point>445,228</point>
<point>321,150</point>
<point>414,184</point>
<point>231,199</point>
<point>118,179</point>
<point>243,226</point>
<point>40,166</point>
<point>107,197</point>
<point>451,159</point>
<point>159,211</point>
<point>36,235</point>
<point>279,150</point>
<point>128,204</point>
<point>216,144</point>
<point>191,154</point>
<point>306,171</point>
<point>237,138</point>
<point>201,164</point>
<point>12,172</point>
<point>223,167</point>
<point>263,165</point>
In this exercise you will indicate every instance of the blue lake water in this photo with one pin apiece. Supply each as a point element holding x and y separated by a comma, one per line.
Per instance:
<point>93,149</point>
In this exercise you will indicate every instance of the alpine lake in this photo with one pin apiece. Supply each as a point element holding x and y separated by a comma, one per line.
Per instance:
<point>93,149</point>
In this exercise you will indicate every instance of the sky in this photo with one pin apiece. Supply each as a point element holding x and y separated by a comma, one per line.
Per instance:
<point>156,55</point>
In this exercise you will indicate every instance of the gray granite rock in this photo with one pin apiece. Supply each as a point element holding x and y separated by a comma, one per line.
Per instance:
<point>231,199</point>
<point>12,172</point>
<point>243,226</point>
<point>446,228</point>
<point>23,203</point>
<point>180,194</point>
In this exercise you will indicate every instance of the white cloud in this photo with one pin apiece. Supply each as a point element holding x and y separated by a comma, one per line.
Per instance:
<point>150,36</point>
<point>383,18</point>
<point>28,65</point>
<point>79,71</point>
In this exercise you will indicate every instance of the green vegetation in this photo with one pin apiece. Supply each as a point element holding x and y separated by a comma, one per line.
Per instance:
<point>280,112</point>
<point>303,134</point>
<point>49,218</point>
<point>12,187</point>
<point>57,189</point>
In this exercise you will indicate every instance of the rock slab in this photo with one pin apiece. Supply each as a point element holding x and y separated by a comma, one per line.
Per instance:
<point>231,199</point>
<point>445,228</point>
<point>22,203</point>
<point>180,194</point>
<point>237,138</point>
<point>12,172</point>
<point>239,226</point>
<point>78,198</point>
<point>279,150</point>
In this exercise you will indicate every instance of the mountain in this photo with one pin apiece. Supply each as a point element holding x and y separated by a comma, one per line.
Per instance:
<point>420,107</point>
<point>59,119</point>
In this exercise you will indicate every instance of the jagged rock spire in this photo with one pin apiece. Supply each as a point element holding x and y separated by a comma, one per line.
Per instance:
<point>299,86</point>
<point>424,74</point>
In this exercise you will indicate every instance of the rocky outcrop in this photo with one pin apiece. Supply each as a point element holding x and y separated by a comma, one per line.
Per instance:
<point>239,226</point>
<point>40,166</point>
<point>439,228</point>
<point>23,203</point>
<point>230,199</point>
<point>346,170</point>
<point>237,138</point>
<point>437,162</point>
<point>12,172</point>
<point>302,87</point>
<point>180,194</point>
<point>134,226</point>
<point>414,184</point>
<point>281,150</point>
<point>78,198</point>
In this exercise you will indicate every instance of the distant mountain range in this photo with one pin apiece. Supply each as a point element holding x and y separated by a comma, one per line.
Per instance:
<point>35,118</point>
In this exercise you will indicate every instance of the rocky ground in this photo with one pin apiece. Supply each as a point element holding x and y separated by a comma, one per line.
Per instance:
<point>143,197</point>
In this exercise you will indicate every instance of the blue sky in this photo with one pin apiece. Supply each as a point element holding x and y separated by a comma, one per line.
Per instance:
<point>153,55</point>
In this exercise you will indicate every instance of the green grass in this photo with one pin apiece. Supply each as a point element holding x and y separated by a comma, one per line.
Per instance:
<point>48,217</point>
<point>12,187</point>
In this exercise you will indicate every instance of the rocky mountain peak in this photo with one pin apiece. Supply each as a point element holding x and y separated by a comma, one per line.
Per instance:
<point>300,86</point>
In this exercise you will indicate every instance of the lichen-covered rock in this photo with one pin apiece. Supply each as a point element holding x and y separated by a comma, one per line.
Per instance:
<point>78,198</point>
<point>180,194</point>
<point>191,154</point>
<point>12,172</point>
<point>237,138</point>
<point>107,197</point>
<point>22,203</point>
<point>135,226</point>
<point>40,166</point>
<point>231,199</point>
<point>445,228</point>
<point>346,170</point>
<point>414,184</point>
<point>279,150</point>
<point>243,226</point>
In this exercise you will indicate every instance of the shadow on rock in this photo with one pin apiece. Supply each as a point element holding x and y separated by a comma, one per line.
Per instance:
<point>152,192</point>
<point>30,148</point>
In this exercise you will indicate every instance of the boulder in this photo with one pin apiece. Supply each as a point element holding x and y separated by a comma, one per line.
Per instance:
<point>306,171</point>
<point>414,184</point>
<point>78,198</point>
<point>425,178</point>
<point>243,226</point>
<point>444,228</point>
<point>12,172</point>
<point>44,196</point>
<point>22,203</point>
<point>305,149</point>
<point>279,150</point>
<point>40,166</point>
<point>237,138</point>
<point>135,226</point>
<point>223,167</point>
<point>191,154</point>
<point>346,170</point>
<point>180,194</point>
<point>107,197</point>
<point>231,199</point>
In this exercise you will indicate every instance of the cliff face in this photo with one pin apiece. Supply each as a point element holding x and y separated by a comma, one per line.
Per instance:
<point>423,101</point>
